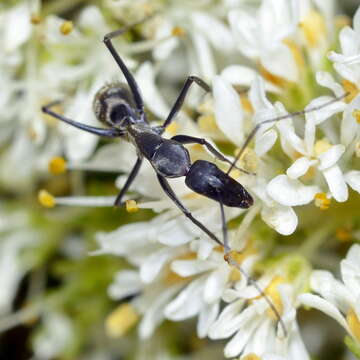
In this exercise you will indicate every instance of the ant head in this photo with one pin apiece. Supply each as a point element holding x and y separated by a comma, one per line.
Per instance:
<point>114,106</point>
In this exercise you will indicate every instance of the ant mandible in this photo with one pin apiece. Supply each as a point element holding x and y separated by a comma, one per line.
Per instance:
<point>120,106</point>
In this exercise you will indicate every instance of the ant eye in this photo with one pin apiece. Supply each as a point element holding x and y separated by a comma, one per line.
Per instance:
<point>118,112</point>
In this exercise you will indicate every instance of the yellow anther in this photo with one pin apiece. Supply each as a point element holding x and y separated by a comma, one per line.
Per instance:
<point>57,165</point>
<point>356,115</point>
<point>350,88</point>
<point>274,79</point>
<point>321,146</point>
<point>322,201</point>
<point>251,356</point>
<point>131,206</point>
<point>178,31</point>
<point>314,28</point>
<point>35,19</point>
<point>273,292</point>
<point>173,128</point>
<point>246,104</point>
<point>354,324</point>
<point>66,27</point>
<point>121,320</point>
<point>207,123</point>
<point>343,234</point>
<point>296,52</point>
<point>46,199</point>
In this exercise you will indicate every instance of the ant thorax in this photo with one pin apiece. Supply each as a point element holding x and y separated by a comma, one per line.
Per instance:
<point>114,106</point>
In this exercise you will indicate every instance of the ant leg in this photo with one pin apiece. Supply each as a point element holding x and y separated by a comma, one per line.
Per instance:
<point>180,100</point>
<point>133,173</point>
<point>229,259</point>
<point>91,129</point>
<point>224,230</point>
<point>185,139</point>
<point>128,76</point>
<point>287,116</point>
<point>170,193</point>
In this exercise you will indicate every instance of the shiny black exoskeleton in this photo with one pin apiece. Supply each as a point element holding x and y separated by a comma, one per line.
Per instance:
<point>120,107</point>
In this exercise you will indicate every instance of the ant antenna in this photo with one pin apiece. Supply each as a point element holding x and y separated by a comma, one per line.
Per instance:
<point>290,115</point>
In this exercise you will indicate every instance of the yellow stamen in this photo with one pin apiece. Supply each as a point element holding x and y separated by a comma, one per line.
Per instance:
<point>46,199</point>
<point>274,79</point>
<point>350,88</point>
<point>321,146</point>
<point>131,206</point>
<point>314,28</point>
<point>296,52</point>
<point>66,27</point>
<point>178,31</point>
<point>172,129</point>
<point>322,201</point>
<point>354,324</point>
<point>121,320</point>
<point>251,356</point>
<point>35,19</point>
<point>273,292</point>
<point>246,104</point>
<point>208,124</point>
<point>356,115</point>
<point>343,234</point>
<point>57,165</point>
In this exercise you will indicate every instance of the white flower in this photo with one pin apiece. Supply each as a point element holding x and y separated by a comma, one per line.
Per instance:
<point>261,36</point>
<point>253,327</point>
<point>347,63</point>
<point>321,154</point>
<point>339,300</point>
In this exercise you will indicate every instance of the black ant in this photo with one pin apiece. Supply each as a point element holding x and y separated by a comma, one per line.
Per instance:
<point>120,107</point>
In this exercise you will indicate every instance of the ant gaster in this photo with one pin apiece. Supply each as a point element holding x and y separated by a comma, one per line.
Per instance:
<point>120,107</point>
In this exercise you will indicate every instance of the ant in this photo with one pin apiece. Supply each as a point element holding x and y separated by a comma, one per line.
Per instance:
<point>120,107</point>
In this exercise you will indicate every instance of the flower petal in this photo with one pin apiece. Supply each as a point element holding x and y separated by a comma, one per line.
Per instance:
<point>331,156</point>
<point>207,316</point>
<point>326,307</point>
<point>290,192</point>
<point>228,110</point>
<point>298,168</point>
<point>281,218</point>
<point>353,179</point>
<point>336,183</point>
<point>188,303</point>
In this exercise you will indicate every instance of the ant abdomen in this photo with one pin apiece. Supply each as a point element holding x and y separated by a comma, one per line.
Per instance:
<point>207,179</point>
<point>113,103</point>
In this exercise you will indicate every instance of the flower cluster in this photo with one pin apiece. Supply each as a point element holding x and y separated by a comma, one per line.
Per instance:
<point>263,63</point>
